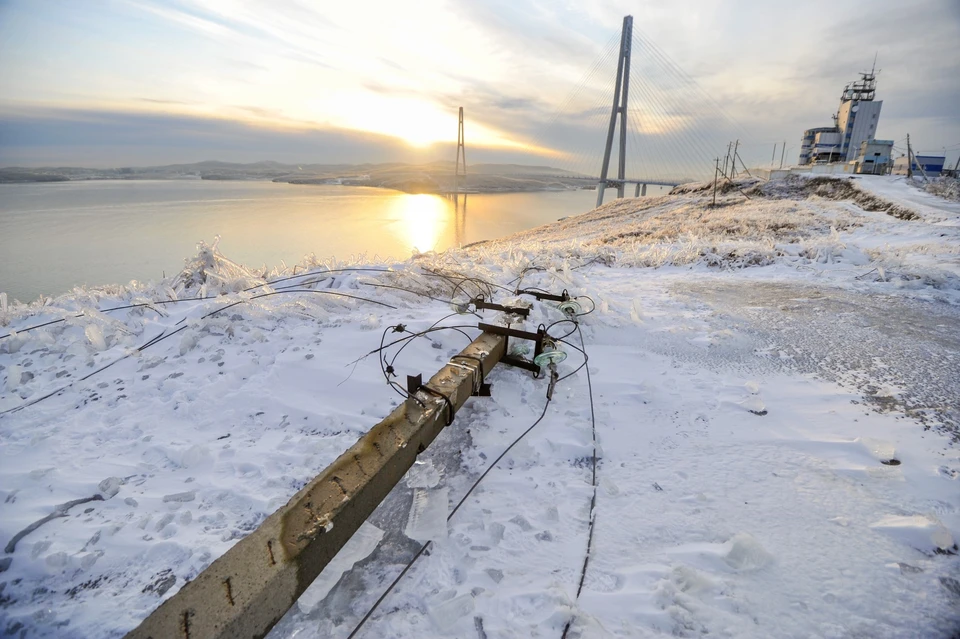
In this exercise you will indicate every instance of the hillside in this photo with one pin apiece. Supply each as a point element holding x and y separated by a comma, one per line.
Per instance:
<point>433,177</point>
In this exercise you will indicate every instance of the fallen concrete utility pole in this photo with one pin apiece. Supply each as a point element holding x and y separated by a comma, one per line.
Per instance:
<point>248,589</point>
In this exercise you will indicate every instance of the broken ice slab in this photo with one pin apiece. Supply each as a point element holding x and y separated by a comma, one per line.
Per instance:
<point>423,474</point>
<point>447,614</point>
<point>428,515</point>
<point>363,542</point>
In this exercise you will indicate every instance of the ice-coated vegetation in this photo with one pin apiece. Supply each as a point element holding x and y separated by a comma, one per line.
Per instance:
<point>774,382</point>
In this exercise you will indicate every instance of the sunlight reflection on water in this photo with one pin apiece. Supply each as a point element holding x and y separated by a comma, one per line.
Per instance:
<point>59,235</point>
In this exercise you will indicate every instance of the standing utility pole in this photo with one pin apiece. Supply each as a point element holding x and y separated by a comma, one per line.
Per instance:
<point>460,150</point>
<point>909,158</point>
<point>783,150</point>
<point>716,176</point>
<point>620,93</point>
<point>773,158</point>
<point>733,160</point>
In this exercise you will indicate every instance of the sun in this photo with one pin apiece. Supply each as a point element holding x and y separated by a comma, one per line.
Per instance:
<point>417,121</point>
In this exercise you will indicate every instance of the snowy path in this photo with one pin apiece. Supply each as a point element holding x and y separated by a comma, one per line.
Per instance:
<point>751,396</point>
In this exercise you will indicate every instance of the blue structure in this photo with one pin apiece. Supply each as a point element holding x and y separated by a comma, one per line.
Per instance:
<point>932,164</point>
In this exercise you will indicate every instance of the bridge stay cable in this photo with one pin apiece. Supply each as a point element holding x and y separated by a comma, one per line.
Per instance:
<point>661,127</point>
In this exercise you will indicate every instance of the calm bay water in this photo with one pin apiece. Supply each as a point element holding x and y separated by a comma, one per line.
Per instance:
<point>59,235</point>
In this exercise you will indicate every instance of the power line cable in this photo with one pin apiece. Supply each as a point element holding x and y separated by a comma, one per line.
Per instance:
<point>423,548</point>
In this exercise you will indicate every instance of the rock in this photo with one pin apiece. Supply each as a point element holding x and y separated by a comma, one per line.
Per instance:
<point>110,486</point>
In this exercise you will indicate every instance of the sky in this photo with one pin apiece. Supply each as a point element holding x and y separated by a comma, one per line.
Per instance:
<point>108,83</point>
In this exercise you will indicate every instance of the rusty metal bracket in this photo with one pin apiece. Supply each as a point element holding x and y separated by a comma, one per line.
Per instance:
<point>540,295</point>
<point>480,303</point>
<point>537,338</point>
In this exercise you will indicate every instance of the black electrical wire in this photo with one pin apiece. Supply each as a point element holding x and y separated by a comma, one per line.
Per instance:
<point>449,517</point>
<point>593,498</point>
<point>308,273</point>
<point>165,335</point>
<point>425,332</point>
<point>387,369</point>
<point>408,290</point>
<point>108,310</point>
<point>193,299</point>
<point>592,308</point>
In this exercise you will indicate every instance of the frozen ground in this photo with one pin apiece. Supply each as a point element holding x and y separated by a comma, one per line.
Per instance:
<point>775,387</point>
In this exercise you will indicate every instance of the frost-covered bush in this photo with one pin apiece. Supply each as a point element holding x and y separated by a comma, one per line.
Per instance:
<point>946,187</point>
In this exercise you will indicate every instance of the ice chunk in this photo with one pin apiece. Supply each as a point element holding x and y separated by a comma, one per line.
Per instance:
<point>95,337</point>
<point>754,405</point>
<point>110,486</point>
<point>195,457</point>
<point>878,448</point>
<point>359,547</point>
<point>745,553</point>
<point>187,343</point>
<point>428,515</point>
<point>423,475</point>
<point>13,376</point>
<point>189,495</point>
<point>917,531</point>
<point>447,614</point>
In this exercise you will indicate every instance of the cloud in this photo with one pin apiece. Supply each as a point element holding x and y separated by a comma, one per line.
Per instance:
<point>512,64</point>
<point>119,138</point>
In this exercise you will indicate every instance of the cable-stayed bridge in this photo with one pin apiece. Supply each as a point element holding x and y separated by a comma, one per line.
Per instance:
<point>636,119</point>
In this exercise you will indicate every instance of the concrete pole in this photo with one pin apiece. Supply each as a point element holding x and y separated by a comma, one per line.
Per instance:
<point>783,150</point>
<point>250,587</point>
<point>773,158</point>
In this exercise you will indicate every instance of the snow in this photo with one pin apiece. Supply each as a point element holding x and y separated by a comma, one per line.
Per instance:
<point>775,386</point>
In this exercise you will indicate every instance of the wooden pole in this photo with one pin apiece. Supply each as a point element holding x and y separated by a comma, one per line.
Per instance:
<point>909,158</point>
<point>716,176</point>
<point>733,161</point>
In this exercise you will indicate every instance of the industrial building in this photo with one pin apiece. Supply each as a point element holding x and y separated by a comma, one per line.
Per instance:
<point>931,164</point>
<point>854,123</point>
<point>874,157</point>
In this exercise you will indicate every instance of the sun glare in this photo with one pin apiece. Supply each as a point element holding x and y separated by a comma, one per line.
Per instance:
<point>416,121</point>
<point>424,219</point>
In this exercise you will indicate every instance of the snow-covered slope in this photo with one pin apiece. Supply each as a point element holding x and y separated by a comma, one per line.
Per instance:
<point>774,386</point>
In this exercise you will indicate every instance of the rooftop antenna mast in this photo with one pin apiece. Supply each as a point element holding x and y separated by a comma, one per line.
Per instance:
<point>620,93</point>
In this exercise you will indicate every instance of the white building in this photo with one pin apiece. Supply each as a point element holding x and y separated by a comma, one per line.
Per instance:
<point>874,157</point>
<point>855,122</point>
<point>820,145</point>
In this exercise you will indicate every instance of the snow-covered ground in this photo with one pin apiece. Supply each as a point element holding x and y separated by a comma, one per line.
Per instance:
<point>775,387</point>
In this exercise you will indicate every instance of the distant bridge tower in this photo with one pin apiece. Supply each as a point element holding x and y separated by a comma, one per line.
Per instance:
<point>620,93</point>
<point>461,150</point>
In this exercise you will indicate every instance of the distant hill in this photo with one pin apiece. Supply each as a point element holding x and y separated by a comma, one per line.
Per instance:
<point>431,177</point>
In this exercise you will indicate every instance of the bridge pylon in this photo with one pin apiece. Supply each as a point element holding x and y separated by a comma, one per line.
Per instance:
<point>620,94</point>
<point>461,151</point>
